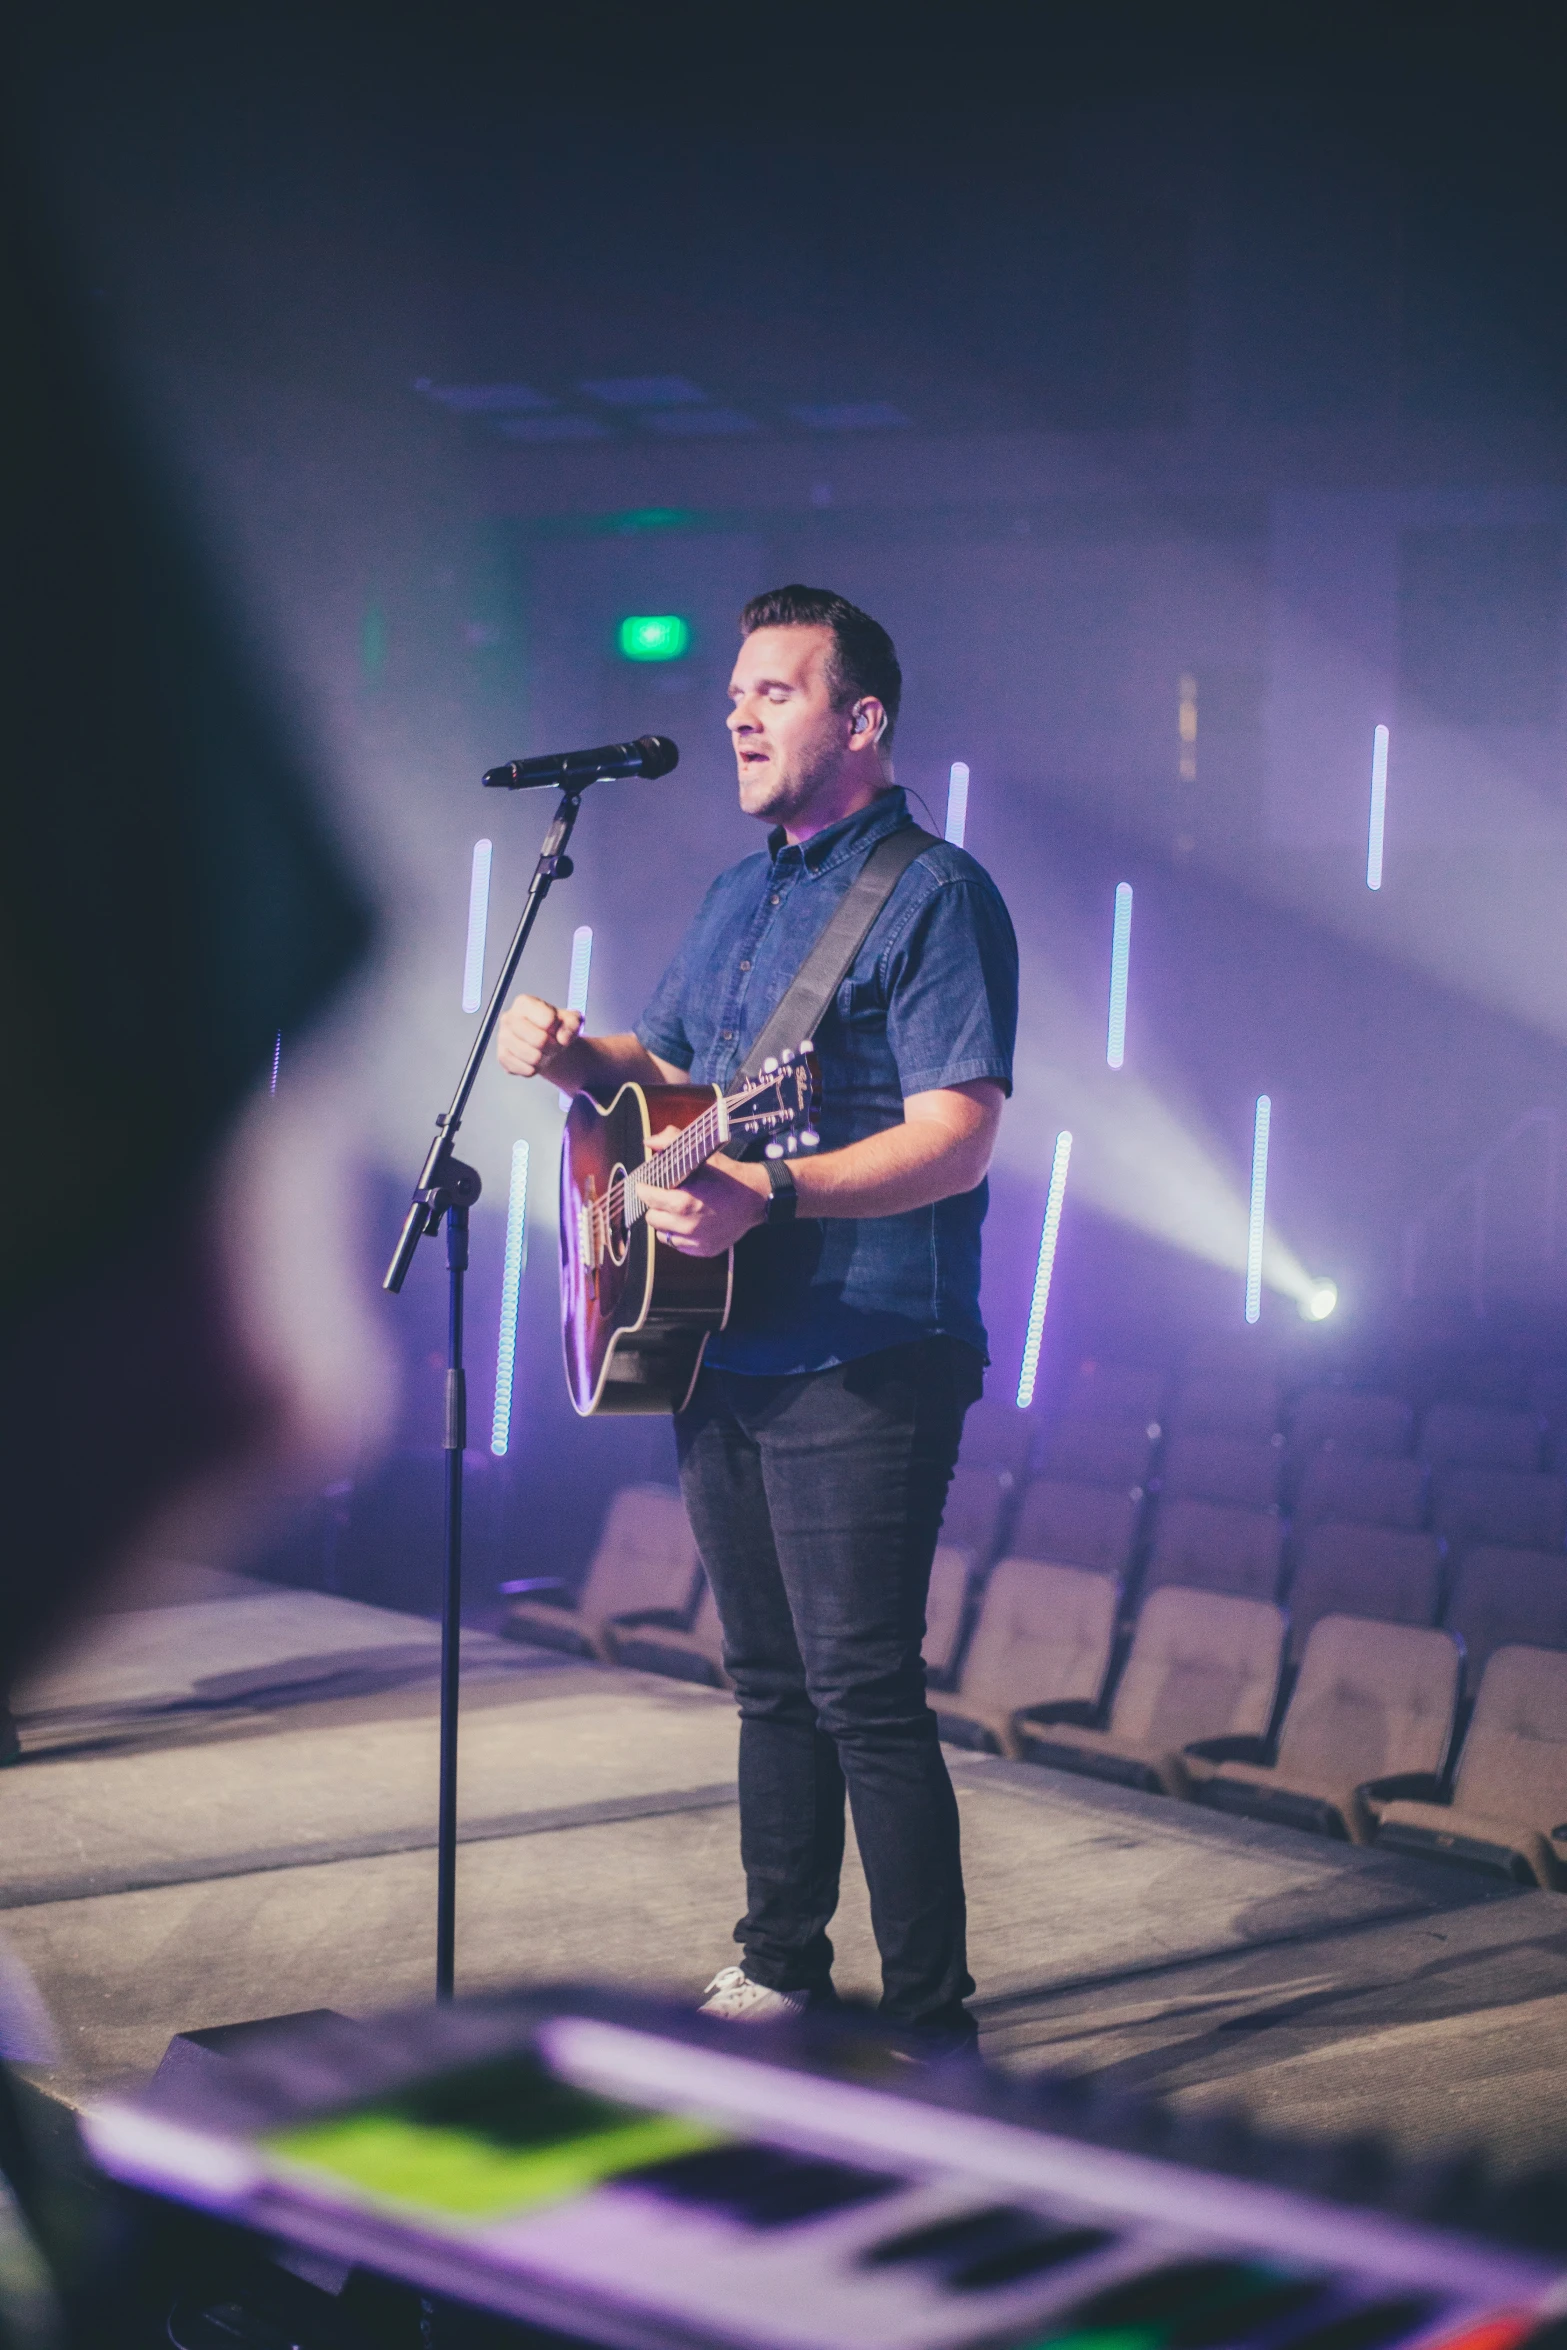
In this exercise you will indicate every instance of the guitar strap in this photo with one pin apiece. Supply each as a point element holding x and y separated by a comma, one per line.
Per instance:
<point>832,957</point>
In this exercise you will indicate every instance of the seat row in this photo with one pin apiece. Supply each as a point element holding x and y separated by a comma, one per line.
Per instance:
<point>1363,1749</point>
<point>1405,1572</point>
<point>1495,1597</point>
<point>1249,1406</point>
<point>645,1602</point>
<point>1460,1500</point>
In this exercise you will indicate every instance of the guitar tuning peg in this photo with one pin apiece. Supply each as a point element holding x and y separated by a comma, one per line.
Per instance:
<point>792,1145</point>
<point>786,1059</point>
<point>809,1139</point>
<point>770,1065</point>
<point>774,1150</point>
<point>807,1045</point>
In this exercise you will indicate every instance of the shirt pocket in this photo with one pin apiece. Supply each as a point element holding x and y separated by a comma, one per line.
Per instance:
<point>861,1005</point>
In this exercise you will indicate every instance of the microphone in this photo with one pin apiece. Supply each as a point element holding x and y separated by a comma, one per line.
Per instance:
<point>649,755</point>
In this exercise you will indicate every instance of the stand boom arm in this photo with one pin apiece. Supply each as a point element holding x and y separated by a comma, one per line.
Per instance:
<point>444,1182</point>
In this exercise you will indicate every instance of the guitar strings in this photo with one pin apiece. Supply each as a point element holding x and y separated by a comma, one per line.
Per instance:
<point>671,1165</point>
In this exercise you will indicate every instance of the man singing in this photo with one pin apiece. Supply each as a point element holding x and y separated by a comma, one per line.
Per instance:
<point>819,1441</point>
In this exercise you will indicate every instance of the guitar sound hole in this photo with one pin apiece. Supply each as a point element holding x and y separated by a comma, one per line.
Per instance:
<point>616,1238</point>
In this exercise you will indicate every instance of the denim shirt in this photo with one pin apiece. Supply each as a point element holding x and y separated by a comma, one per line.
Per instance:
<point>931,1001</point>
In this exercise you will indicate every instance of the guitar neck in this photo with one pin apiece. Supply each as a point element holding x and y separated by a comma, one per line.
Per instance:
<point>668,1168</point>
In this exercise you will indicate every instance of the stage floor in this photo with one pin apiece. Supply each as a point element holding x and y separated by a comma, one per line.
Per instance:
<point>226,1810</point>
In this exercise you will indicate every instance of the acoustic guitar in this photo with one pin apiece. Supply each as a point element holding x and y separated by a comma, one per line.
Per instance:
<point>637,1318</point>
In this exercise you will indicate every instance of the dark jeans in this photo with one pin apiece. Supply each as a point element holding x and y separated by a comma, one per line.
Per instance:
<point>816,1502</point>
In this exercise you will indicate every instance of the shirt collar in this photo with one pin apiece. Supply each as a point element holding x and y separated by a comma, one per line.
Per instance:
<point>885,813</point>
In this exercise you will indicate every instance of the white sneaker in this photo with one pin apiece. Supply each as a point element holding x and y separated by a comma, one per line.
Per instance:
<point>733,1995</point>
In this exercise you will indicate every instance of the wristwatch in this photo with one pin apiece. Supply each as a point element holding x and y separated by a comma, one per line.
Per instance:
<point>785,1199</point>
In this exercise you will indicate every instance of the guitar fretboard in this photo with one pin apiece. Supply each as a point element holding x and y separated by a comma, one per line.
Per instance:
<point>668,1168</point>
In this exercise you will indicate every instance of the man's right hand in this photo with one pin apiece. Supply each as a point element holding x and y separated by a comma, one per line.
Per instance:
<point>533,1037</point>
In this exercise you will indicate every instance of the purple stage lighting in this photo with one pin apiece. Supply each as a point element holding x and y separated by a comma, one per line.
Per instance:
<point>577,981</point>
<point>1378,808</point>
<point>957,803</point>
<point>1120,959</point>
<point>1042,1271</point>
<point>511,1282</point>
<point>478,926</point>
<point>1259,1198</point>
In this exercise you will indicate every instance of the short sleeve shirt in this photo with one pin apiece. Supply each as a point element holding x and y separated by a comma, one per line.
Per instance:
<point>931,1001</point>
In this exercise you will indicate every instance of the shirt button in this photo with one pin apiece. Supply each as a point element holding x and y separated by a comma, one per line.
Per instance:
<point>746,964</point>
<point>775,901</point>
<point>729,1036</point>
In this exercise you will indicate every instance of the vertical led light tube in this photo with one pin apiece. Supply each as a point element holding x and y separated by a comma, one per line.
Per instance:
<point>1378,808</point>
<point>478,926</point>
<point>277,1061</point>
<point>1042,1271</point>
<point>957,803</point>
<point>511,1284</point>
<point>577,981</point>
<point>1259,1206</point>
<point>1120,960</point>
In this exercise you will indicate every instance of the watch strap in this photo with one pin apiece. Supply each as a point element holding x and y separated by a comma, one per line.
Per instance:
<point>784,1197</point>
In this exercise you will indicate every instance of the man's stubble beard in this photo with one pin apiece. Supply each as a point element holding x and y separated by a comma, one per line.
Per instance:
<point>791,791</point>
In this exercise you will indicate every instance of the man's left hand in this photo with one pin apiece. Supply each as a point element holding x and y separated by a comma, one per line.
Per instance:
<point>711,1210</point>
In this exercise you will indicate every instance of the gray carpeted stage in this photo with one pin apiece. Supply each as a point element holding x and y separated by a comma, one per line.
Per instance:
<point>227,1807</point>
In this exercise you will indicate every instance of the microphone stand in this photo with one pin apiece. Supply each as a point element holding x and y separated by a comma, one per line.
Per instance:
<point>447,1188</point>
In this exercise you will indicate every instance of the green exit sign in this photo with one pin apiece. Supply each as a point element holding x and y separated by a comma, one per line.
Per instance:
<point>654,636</point>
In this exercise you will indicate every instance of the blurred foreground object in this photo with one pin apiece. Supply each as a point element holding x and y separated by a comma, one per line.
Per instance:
<point>620,2173</point>
<point>169,901</point>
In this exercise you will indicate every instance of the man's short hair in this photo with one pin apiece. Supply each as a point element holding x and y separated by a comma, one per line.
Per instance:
<point>864,659</point>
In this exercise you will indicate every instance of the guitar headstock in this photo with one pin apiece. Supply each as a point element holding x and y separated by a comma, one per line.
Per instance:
<point>781,1102</point>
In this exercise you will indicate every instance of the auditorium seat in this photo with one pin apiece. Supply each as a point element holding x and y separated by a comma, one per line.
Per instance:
<point>646,1558</point>
<point>1205,1547</point>
<point>1508,1810</point>
<point>1225,1403</point>
<point>1242,1471</point>
<point>1377,1571</point>
<point>1077,1525</point>
<point>1486,1438</point>
<point>944,1608</point>
<point>1044,1635</point>
<point>658,1640</point>
<point>1115,1391</point>
<point>1352,1489</point>
<point>972,1515</point>
<point>1372,1699</point>
<point>1116,1453</point>
<point>1507,1598</point>
<point>1201,1666</point>
<point>1350,1422</point>
<point>1521,1507</point>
